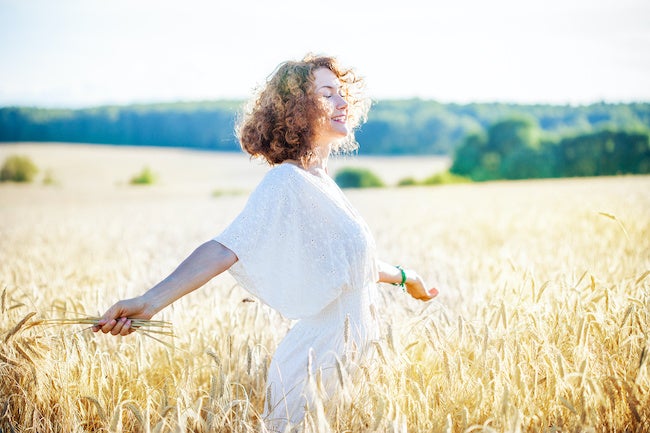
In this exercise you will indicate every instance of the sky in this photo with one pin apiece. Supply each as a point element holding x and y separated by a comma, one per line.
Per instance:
<point>79,53</point>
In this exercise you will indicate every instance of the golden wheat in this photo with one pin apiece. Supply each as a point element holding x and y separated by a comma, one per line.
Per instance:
<point>542,322</point>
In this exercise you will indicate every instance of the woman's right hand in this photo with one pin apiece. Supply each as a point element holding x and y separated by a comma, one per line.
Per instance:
<point>207,261</point>
<point>117,319</point>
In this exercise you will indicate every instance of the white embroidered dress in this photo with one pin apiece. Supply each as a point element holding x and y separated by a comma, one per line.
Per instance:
<point>306,252</point>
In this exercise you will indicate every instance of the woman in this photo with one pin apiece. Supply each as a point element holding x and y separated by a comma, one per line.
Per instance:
<point>298,245</point>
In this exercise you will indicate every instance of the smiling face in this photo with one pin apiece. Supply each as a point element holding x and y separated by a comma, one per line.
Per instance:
<point>306,110</point>
<point>335,124</point>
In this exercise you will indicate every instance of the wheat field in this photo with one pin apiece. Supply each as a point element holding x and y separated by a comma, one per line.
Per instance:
<point>542,324</point>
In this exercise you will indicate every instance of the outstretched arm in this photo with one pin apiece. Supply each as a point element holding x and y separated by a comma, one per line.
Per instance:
<point>207,261</point>
<point>414,283</point>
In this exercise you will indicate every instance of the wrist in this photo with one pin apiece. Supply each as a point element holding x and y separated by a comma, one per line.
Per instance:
<point>401,278</point>
<point>150,305</point>
<point>412,276</point>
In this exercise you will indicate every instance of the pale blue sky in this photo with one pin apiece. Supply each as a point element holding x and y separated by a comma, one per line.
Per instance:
<point>90,52</point>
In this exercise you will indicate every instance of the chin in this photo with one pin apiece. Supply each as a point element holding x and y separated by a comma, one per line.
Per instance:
<point>342,131</point>
<point>335,133</point>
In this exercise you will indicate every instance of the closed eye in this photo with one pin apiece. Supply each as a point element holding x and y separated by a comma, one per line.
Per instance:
<point>329,91</point>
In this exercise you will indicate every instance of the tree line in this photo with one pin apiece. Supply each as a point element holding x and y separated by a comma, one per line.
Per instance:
<point>194,125</point>
<point>394,127</point>
<point>516,148</point>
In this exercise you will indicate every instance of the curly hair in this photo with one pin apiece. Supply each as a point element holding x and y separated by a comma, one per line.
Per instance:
<point>280,121</point>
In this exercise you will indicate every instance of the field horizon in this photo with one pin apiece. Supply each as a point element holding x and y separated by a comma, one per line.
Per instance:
<point>75,165</point>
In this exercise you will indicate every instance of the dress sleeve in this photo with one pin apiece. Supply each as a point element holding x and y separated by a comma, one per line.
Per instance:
<point>289,245</point>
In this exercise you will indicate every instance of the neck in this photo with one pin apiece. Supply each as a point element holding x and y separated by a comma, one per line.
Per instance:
<point>321,157</point>
<point>318,161</point>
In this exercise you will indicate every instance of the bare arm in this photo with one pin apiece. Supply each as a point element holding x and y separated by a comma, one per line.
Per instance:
<point>206,262</point>
<point>414,284</point>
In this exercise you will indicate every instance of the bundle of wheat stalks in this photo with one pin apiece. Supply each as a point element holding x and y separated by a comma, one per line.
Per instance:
<point>146,327</point>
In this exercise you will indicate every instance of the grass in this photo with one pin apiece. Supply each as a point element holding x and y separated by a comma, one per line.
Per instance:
<point>18,168</point>
<point>439,178</point>
<point>356,177</point>
<point>144,177</point>
<point>542,322</point>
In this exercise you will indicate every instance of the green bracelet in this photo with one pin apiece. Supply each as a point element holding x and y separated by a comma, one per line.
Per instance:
<point>403,279</point>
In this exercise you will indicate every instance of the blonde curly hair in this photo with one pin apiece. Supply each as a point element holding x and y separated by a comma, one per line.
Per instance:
<point>280,121</point>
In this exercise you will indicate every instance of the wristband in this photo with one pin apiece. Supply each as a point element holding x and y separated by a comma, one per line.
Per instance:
<point>401,284</point>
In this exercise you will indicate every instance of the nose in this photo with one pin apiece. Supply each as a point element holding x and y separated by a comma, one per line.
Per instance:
<point>341,103</point>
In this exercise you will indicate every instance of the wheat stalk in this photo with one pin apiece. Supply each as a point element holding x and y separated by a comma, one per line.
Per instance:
<point>146,326</point>
<point>19,325</point>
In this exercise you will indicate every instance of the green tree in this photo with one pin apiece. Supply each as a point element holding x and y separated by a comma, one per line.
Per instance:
<point>605,152</point>
<point>467,157</point>
<point>510,150</point>
<point>411,126</point>
<point>508,135</point>
<point>524,163</point>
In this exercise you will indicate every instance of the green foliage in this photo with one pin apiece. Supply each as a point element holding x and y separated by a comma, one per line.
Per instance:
<point>445,178</point>
<point>49,178</point>
<point>604,153</point>
<point>511,149</point>
<point>505,136</point>
<point>351,177</point>
<point>394,127</point>
<point>514,149</point>
<point>468,155</point>
<point>18,168</point>
<point>441,178</point>
<point>228,192</point>
<point>200,126</point>
<point>407,181</point>
<point>145,177</point>
<point>523,163</point>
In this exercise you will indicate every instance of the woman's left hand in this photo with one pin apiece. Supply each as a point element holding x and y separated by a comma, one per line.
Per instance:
<point>415,287</point>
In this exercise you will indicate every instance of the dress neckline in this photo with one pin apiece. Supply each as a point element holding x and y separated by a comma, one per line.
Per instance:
<point>315,171</point>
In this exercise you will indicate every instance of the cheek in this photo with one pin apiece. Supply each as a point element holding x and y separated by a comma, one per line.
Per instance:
<point>327,105</point>
<point>326,111</point>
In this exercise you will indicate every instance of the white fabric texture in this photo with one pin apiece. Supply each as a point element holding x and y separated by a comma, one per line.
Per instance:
<point>304,250</point>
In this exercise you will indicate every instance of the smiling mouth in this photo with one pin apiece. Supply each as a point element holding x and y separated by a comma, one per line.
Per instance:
<point>339,119</point>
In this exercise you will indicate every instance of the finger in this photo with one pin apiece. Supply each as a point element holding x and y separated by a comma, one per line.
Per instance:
<point>108,326</point>
<point>118,326</point>
<point>100,323</point>
<point>110,314</point>
<point>428,295</point>
<point>126,328</point>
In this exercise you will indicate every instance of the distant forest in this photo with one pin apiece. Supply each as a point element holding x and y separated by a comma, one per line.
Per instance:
<point>394,127</point>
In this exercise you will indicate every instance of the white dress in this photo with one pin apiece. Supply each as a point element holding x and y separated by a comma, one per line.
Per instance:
<point>306,252</point>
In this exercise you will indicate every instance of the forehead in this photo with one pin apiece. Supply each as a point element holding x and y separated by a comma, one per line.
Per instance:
<point>323,77</point>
